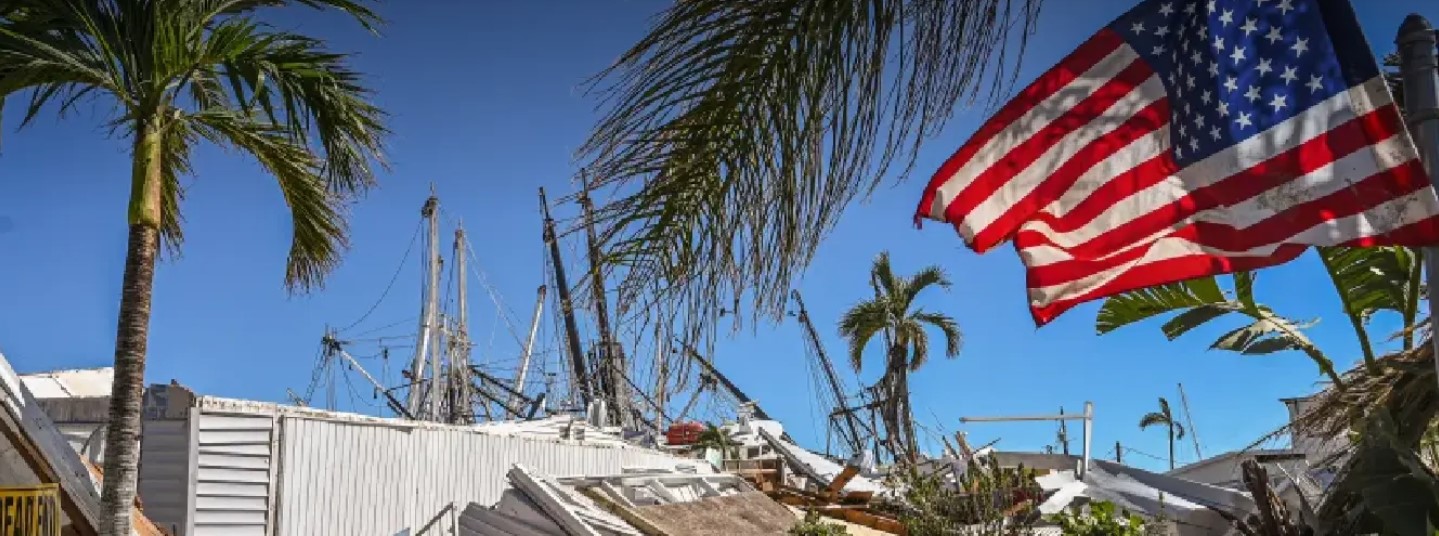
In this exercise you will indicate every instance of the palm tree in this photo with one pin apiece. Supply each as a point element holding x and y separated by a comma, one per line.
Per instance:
<point>715,438</point>
<point>178,72</point>
<point>893,312</point>
<point>736,133</point>
<point>1164,417</point>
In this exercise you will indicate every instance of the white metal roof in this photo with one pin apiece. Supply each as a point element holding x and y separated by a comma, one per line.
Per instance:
<point>74,383</point>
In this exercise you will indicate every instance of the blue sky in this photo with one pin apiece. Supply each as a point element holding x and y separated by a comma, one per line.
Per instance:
<point>487,104</point>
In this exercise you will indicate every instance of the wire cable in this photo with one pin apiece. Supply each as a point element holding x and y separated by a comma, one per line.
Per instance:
<point>413,238</point>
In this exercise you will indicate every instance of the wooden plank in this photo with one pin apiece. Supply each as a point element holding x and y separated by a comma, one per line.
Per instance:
<point>630,516</point>
<point>837,485</point>
<point>868,519</point>
<point>47,452</point>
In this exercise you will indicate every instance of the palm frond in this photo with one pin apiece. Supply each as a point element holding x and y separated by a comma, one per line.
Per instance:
<point>926,277</point>
<point>882,275</point>
<point>1164,409</point>
<point>212,9</point>
<point>860,324</point>
<point>735,133</point>
<point>1153,419</point>
<point>312,93</point>
<point>911,335</point>
<point>1139,305</point>
<point>1370,280</point>
<point>318,222</point>
<point>1178,429</point>
<point>953,337</point>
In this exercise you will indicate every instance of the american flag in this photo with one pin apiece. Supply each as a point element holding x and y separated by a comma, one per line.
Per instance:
<point>1185,139</point>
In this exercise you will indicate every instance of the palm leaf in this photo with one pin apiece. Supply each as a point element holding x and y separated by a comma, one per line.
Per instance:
<point>860,324</point>
<point>953,337</point>
<point>926,277</point>
<point>1369,280</point>
<point>1139,305</point>
<point>735,133</point>
<point>1153,419</point>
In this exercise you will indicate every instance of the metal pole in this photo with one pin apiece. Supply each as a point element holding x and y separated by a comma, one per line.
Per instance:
<point>1189,421</point>
<point>1417,63</point>
<point>415,400</point>
<point>1088,435</point>
<point>529,343</point>
<point>579,372</point>
<point>461,406</point>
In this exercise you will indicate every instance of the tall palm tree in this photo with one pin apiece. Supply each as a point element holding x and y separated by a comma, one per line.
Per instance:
<point>1164,417</point>
<point>175,73</point>
<point>893,313</point>
<point>736,132</point>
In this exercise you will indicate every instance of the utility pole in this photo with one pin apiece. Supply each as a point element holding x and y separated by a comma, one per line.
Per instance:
<point>1087,417</point>
<point>611,356</point>
<point>415,399</point>
<point>1418,65</point>
<point>1118,453</point>
<point>851,424</point>
<point>1063,434</point>
<point>461,398</point>
<point>529,344</point>
<point>578,371</point>
<point>1189,422</point>
<point>662,378</point>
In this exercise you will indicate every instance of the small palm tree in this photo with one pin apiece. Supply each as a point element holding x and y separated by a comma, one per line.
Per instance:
<point>176,73</point>
<point>1164,417</point>
<point>715,438</point>
<point>892,312</point>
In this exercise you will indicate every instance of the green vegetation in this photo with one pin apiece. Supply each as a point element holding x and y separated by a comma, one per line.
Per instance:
<point>177,73</point>
<point>1101,519</point>
<point>892,312</point>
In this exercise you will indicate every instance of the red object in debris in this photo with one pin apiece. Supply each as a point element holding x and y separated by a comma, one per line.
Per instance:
<point>684,433</point>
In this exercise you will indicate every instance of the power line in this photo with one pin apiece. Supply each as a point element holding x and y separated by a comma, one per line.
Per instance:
<point>413,238</point>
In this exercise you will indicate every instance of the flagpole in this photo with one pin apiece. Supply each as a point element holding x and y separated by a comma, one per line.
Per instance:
<point>1418,64</point>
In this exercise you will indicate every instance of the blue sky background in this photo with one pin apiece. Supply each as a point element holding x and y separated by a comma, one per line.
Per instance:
<point>487,104</point>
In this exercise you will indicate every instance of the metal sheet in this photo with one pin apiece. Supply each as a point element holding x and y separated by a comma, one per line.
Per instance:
<point>232,474</point>
<point>347,477</point>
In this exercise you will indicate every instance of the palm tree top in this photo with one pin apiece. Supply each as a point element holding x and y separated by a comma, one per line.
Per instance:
<point>892,312</point>
<point>182,71</point>
<point>1163,417</point>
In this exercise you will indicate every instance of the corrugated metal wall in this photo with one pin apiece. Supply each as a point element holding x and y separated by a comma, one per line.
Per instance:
<point>345,478</point>
<point>232,475</point>
<point>164,472</point>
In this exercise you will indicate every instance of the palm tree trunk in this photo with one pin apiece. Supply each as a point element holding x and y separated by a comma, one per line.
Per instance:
<point>1171,446</point>
<point>122,436</point>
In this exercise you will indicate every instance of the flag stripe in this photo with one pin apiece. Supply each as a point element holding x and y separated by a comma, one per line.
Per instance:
<point>1054,172</point>
<point>997,181</point>
<point>1067,84</point>
<point>1196,262</point>
<point>1178,203</point>
<point>1190,138</point>
<point>1344,209</point>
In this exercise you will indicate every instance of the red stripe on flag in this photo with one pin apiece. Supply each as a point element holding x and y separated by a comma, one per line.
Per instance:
<point>1352,136</point>
<point>1067,70</point>
<point>1164,272</point>
<point>1147,120</point>
<point>1027,152</point>
<point>1356,199</point>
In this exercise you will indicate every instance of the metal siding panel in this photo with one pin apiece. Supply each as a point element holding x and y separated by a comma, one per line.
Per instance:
<point>162,482</point>
<point>344,478</point>
<point>232,474</point>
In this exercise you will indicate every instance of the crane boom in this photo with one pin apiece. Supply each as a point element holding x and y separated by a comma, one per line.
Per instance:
<point>850,422</point>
